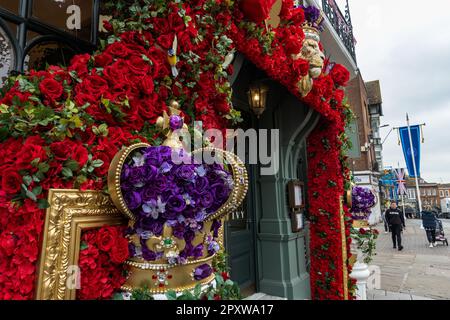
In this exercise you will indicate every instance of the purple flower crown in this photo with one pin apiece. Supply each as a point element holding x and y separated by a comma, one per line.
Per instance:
<point>159,192</point>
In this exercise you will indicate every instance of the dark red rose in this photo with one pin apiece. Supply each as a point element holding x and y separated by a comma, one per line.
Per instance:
<point>28,153</point>
<point>103,59</point>
<point>117,49</point>
<point>256,10</point>
<point>103,170</point>
<point>147,85</point>
<point>138,66</point>
<point>293,45</point>
<point>166,40</point>
<point>79,64</point>
<point>93,85</point>
<point>61,150</point>
<point>119,252</point>
<point>11,181</point>
<point>80,155</point>
<point>362,231</point>
<point>340,75</point>
<point>8,243</point>
<point>106,237</point>
<point>176,23</point>
<point>51,89</point>
<point>225,276</point>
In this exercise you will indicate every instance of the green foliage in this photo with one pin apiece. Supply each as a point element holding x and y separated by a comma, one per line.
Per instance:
<point>365,242</point>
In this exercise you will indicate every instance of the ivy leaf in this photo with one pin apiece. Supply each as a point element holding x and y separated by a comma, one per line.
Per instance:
<point>72,165</point>
<point>27,180</point>
<point>43,167</point>
<point>28,193</point>
<point>66,172</point>
<point>97,163</point>
<point>37,191</point>
<point>171,295</point>
<point>83,246</point>
<point>43,204</point>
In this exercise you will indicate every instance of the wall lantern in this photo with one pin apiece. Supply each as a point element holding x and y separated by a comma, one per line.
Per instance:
<point>257,98</point>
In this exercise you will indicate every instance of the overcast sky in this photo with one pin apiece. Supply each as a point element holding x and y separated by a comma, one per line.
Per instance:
<point>406,45</point>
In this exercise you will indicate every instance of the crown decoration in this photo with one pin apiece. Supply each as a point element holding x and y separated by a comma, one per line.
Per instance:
<point>176,209</point>
<point>313,25</point>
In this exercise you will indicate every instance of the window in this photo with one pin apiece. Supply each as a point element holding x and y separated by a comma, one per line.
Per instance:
<point>429,192</point>
<point>434,192</point>
<point>441,193</point>
<point>411,194</point>
<point>446,193</point>
<point>7,55</point>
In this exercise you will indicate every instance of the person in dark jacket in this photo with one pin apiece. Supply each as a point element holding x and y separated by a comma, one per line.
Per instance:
<point>429,221</point>
<point>396,221</point>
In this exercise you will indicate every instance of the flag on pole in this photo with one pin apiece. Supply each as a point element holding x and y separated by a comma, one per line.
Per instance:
<point>406,146</point>
<point>401,181</point>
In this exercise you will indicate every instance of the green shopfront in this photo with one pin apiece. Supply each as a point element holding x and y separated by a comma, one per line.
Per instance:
<point>265,253</point>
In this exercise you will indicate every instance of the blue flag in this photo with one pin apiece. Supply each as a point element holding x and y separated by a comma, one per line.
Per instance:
<point>406,145</point>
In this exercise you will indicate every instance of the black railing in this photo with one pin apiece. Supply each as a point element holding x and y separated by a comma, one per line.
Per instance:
<point>341,23</point>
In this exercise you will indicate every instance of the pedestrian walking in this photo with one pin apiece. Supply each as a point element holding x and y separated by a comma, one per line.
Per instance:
<point>386,224</point>
<point>429,222</point>
<point>396,222</point>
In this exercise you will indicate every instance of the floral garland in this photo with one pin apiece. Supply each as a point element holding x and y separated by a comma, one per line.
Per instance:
<point>365,239</point>
<point>60,128</point>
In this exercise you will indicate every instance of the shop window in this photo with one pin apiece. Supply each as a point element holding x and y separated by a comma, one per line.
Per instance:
<point>10,5</point>
<point>7,56</point>
<point>48,53</point>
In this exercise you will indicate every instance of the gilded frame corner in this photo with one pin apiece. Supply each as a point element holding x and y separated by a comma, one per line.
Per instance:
<point>69,213</point>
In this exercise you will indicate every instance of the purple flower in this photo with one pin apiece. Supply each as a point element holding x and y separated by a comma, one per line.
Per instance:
<point>197,252</point>
<point>152,225</point>
<point>207,199</point>
<point>215,228</point>
<point>175,122</point>
<point>186,172</point>
<point>133,200</point>
<point>189,235</point>
<point>201,183</point>
<point>203,271</point>
<point>176,203</point>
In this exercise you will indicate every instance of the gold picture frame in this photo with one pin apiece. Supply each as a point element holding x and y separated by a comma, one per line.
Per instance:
<point>70,212</point>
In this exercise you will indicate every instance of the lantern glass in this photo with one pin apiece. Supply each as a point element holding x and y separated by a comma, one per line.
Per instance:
<point>257,98</point>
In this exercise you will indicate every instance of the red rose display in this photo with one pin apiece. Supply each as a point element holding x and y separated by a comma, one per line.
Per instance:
<point>11,181</point>
<point>51,89</point>
<point>119,252</point>
<point>106,238</point>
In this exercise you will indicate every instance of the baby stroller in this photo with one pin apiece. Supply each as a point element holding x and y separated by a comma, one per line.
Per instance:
<point>440,235</point>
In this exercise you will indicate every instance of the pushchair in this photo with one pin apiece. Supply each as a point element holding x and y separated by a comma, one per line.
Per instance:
<point>440,235</point>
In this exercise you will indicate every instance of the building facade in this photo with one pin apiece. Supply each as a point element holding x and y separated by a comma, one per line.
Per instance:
<point>444,197</point>
<point>365,127</point>
<point>429,194</point>
<point>264,253</point>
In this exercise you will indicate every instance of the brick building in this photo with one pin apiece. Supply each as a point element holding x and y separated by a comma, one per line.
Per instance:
<point>366,105</point>
<point>444,197</point>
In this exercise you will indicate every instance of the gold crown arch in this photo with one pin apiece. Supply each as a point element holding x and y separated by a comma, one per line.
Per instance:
<point>160,276</point>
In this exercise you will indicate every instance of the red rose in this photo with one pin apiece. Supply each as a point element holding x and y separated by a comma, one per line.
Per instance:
<point>94,85</point>
<point>362,231</point>
<point>256,10</point>
<point>61,150</point>
<point>138,66</point>
<point>103,170</point>
<point>147,85</point>
<point>103,59</point>
<point>106,238</point>
<point>79,64</point>
<point>117,49</point>
<point>8,243</point>
<point>80,155</point>
<point>11,181</point>
<point>166,40</point>
<point>340,75</point>
<point>225,276</point>
<point>119,252</point>
<point>51,89</point>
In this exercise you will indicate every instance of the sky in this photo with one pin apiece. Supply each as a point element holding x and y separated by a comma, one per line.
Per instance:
<point>407,47</point>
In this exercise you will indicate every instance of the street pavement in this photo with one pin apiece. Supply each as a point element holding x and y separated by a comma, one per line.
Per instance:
<point>416,273</point>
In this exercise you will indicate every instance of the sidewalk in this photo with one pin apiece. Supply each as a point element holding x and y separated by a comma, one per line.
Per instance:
<point>417,272</point>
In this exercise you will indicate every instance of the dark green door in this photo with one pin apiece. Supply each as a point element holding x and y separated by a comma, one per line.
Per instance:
<point>240,232</point>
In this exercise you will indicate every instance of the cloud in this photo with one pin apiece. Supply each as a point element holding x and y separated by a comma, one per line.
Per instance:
<point>408,50</point>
